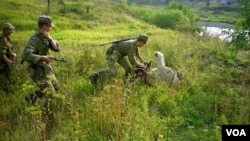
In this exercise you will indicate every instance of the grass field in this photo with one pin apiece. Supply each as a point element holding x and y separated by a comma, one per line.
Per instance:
<point>214,91</point>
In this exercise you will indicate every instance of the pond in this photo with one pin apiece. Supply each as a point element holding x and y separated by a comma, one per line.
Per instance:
<point>215,29</point>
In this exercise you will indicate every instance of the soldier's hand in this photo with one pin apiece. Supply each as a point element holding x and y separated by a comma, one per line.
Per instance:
<point>9,62</point>
<point>46,35</point>
<point>141,65</point>
<point>47,59</point>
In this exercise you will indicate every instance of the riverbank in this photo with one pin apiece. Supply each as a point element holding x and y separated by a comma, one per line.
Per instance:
<point>215,24</point>
<point>216,29</point>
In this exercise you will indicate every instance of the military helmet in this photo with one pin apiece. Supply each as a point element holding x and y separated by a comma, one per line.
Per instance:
<point>8,26</point>
<point>142,38</point>
<point>45,20</point>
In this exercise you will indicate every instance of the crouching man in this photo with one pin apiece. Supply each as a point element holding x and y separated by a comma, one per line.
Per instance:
<point>117,53</point>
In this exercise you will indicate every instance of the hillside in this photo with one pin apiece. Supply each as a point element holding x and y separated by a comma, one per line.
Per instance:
<point>214,91</point>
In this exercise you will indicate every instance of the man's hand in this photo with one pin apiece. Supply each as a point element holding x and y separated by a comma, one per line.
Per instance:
<point>7,60</point>
<point>53,42</point>
<point>46,35</point>
<point>140,65</point>
<point>45,58</point>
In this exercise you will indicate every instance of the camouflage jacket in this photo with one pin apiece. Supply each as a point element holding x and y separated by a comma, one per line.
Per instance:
<point>36,46</point>
<point>125,48</point>
<point>5,47</point>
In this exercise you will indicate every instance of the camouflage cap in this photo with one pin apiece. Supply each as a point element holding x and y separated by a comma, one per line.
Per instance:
<point>8,26</point>
<point>43,19</point>
<point>142,38</point>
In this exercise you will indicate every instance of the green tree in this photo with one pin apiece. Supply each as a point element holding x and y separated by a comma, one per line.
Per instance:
<point>168,18</point>
<point>188,22</point>
<point>240,38</point>
<point>175,16</point>
<point>208,3</point>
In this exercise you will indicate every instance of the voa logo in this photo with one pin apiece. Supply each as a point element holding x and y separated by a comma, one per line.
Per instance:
<point>236,132</point>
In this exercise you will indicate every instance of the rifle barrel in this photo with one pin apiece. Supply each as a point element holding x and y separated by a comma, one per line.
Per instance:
<point>118,41</point>
<point>59,60</point>
<point>105,44</point>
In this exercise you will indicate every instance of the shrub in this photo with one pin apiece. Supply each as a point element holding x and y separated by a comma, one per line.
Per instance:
<point>175,16</point>
<point>168,18</point>
<point>241,36</point>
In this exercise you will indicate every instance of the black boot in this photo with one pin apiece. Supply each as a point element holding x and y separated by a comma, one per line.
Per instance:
<point>31,98</point>
<point>94,77</point>
<point>39,93</point>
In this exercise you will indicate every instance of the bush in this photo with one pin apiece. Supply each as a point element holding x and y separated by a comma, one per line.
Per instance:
<point>175,16</point>
<point>241,36</point>
<point>168,18</point>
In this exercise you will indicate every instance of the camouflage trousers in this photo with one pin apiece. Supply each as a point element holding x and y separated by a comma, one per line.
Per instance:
<point>5,84</point>
<point>44,77</point>
<point>116,57</point>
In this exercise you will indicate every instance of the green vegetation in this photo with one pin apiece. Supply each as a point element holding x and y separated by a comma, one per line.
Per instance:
<point>207,10</point>
<point>215,11</point>
<point>241,36</point>
<point>215,89</point>
<point>175,16</point>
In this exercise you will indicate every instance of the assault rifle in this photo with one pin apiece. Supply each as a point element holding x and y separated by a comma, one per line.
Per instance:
<point>53,58</point>
<point>118,41</point>
<point>59,60</point>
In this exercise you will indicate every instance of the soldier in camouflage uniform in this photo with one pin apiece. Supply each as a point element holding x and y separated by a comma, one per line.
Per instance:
<point>117,52</point>
<point>7,56</point>
<point>36,54</point>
